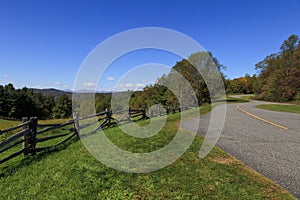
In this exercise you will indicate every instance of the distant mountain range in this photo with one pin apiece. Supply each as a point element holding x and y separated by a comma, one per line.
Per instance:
<point>52,92</point>
<point>57,93</point>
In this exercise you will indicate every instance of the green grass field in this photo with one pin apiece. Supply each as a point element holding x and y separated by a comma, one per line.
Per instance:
<point>71,172</point>
<point>281,108</point>
<point>4,124</point>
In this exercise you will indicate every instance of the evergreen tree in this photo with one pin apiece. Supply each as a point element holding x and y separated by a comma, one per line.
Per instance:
<point>63,107</point>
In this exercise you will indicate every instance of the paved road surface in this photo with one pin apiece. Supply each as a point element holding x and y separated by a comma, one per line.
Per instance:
<point>271,151</point>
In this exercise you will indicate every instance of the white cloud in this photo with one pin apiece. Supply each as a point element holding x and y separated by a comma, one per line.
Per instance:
<point>140,85</point>
<point>110,78</point>
<point>5,76</point>
<point>61,85</point>
<point>129,86</point>
<point>89,84</point>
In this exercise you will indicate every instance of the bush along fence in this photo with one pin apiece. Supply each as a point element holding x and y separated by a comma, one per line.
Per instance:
<point>33,133</point>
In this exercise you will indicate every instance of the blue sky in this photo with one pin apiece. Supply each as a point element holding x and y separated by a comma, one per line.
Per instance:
<point>43,43</point>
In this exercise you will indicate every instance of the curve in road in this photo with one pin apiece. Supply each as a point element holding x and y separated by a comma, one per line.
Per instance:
<point>259,118</point>
<point>268,149</point>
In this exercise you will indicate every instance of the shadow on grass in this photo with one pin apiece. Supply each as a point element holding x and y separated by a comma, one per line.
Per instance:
<point>13,167</point>
<point>232,100</point>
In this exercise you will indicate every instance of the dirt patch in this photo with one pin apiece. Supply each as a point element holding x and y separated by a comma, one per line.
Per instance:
<point>222,160</point>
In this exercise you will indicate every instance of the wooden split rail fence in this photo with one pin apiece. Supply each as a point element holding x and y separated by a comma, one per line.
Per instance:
<point>159,111</point>
<point>31,132</point>
<point>29,137</point>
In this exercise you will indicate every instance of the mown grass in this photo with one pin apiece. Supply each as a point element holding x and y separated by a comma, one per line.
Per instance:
<point>281,108</point>
<point>4,124</point>
<point>71,172</point>
<point>7,124</point>
<point>248,96</point>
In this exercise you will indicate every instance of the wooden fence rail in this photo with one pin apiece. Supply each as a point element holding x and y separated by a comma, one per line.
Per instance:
<point>13,137</point>
<point>28,136</point>
<point>13,128</point>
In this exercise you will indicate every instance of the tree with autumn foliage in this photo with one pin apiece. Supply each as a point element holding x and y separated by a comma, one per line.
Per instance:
<point>242,85</point>
<point>170,88</point>
<point>279,74</point>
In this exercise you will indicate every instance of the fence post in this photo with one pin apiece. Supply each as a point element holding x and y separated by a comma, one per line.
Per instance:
<point>110,117</point>
<point>108,114</point>
<point>76,122</point>
<point>128,114</point>
<point>159,110</point>
<point>150,113</point>
<point>168,110</point>
<point>32,134</point>
<point>174,111</point>
<point>179,109</point>
<point>25,137</point>
<point>144,112</point>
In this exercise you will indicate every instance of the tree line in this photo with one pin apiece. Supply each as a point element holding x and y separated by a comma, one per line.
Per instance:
<point>18,103</point>
<point>170,87</point>
<point>278,76</point>
<point>278,79</point>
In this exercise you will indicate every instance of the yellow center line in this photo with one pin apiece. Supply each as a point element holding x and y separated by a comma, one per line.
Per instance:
<point>259,118</point>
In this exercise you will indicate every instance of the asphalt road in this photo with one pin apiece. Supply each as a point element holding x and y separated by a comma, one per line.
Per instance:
<point>268,149</point>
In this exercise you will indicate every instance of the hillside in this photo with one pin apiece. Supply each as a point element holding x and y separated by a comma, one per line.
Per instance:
<point>71,172</point>
<point>52,92</point>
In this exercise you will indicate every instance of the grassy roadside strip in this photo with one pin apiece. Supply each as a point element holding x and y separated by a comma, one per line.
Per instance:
<point>248,96</point>
<point>73,173</point>
<point>237,100</point>
<point>281,108</point>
